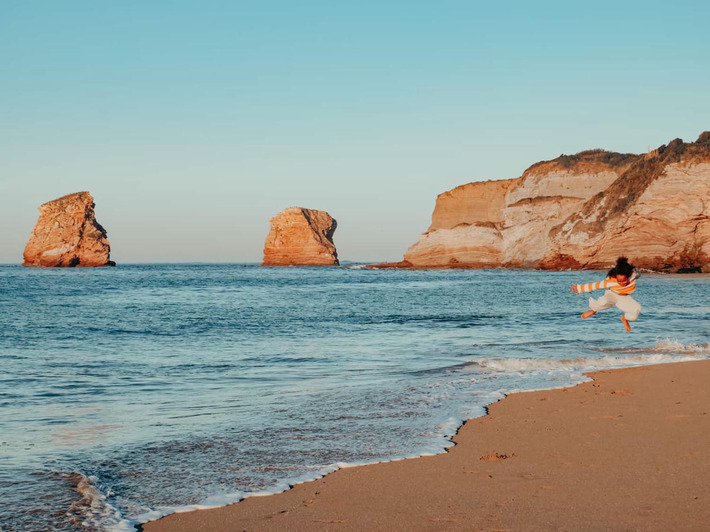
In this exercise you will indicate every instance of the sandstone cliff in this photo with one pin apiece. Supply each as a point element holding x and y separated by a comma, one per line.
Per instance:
<point>658,213</point>
<point>301,237</point>
<point>579,211</point>
<point>67,234</point>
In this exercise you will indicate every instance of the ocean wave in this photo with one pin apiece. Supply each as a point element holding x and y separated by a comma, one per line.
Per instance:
<point>666,345</point>
<point>664,351</point>
<point>580,364</point>
<point>459,320</point>
<point>92,511</point>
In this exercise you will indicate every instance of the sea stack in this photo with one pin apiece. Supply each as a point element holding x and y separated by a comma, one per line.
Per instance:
<point>301,237</point>
<point>68,235</point>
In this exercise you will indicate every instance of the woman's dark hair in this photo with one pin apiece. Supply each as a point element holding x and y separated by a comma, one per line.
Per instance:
<point>622,268</point>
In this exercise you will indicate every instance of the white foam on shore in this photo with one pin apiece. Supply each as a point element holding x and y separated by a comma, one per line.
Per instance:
<point>93,508</point>
<point>666,345</point>
<point>579,364</point>
<point>225,499</point>
<point>446,430</point>
<point>665,351</point>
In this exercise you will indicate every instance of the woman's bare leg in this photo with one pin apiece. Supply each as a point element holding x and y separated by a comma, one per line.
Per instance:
<point>626,323</point>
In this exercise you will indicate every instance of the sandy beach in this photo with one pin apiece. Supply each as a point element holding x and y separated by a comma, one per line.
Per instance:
<point>627,451</point>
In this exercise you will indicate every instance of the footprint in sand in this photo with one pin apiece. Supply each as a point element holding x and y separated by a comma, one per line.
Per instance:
<point>497,457</point>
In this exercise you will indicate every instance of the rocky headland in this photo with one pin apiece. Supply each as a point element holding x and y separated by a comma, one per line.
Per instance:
<point>579,211</point>
<point>301,237</point>
<point>68,235</point>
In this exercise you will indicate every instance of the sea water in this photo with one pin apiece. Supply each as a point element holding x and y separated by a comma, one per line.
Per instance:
<point>131,392</point>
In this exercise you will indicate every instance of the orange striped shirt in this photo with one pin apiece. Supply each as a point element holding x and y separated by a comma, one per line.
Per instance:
<point>610,284</point>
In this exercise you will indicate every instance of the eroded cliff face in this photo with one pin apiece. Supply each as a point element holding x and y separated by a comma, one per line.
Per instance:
<point>657,213</point>
<point>506,223</point>
<point>465,227</point>
<point>68,235</point>
<point>579,211</point>
<point>301,237</point>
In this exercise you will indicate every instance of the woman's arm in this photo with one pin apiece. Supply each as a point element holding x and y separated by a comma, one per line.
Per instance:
<point>589,287</point>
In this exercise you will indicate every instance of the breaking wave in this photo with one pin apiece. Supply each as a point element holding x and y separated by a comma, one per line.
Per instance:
<point>92,511</point>
<point>666,345</point>
<point>665,351</point>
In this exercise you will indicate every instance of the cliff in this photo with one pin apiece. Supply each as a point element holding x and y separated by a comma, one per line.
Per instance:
<point>67,235</point>
<point>301,237</point>
<point>657,212</point>
<point>579,211</point>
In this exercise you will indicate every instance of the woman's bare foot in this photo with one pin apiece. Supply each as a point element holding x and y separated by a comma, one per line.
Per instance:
<point>587,314</point>
<point>626,323</point>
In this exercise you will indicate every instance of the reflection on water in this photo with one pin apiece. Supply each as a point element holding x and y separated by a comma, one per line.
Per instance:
<point>83,435</point>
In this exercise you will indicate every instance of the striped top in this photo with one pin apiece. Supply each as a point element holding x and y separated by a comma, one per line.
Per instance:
<point>610,284</point>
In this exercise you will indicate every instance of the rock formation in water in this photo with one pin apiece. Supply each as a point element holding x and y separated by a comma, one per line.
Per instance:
<point>67,235</point>
<point>301,237</point>
<point>579,211</point>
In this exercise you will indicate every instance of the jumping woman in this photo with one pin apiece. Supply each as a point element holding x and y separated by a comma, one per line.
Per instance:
<point>620,283</point>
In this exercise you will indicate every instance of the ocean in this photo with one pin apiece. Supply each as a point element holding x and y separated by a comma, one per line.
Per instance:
<point>131,392</point>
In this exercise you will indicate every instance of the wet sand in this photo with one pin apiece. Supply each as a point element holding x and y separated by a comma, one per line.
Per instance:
<point>629,451</point>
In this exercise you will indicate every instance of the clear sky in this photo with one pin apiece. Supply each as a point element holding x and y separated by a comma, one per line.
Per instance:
<point>192,123</point>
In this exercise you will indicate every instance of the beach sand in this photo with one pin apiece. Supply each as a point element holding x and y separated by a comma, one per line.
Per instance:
<point>629,451</point>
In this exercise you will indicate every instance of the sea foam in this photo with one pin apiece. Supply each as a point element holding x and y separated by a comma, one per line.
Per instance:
<point>664,351</point>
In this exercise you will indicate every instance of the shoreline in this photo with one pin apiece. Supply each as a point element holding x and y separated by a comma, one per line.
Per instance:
<point>402,265</point>
<point>504,471</point>
<point>405,265</point>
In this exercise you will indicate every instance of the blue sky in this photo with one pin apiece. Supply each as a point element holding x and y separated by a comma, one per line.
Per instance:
<point>193,123</point>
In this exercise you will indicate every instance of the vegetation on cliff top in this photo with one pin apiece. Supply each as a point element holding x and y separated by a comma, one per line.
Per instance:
<point>596,160</point>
